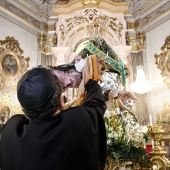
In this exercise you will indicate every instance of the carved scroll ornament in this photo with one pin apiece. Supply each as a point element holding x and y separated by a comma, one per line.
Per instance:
<point>162,61</point>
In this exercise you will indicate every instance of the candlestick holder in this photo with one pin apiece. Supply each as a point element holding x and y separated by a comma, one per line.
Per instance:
<point>158,159</point>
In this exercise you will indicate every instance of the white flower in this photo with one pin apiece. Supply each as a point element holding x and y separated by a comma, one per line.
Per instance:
<point>107,114</point>
<point>109,141</point>
<point>124,129</point>
<point>110,135</point>
<point>116,135</point>
<point>110,128</point>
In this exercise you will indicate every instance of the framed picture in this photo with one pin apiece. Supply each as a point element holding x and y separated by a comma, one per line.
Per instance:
<point>5,113</point>
<point>9,64</point>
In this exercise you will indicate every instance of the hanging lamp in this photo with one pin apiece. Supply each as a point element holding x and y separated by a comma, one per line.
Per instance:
<point>141,85</point>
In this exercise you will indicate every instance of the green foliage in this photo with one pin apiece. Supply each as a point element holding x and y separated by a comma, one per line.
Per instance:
<point>125,137</point>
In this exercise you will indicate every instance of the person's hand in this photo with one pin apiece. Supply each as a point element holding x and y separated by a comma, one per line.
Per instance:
<point>122,100</point>
<point>122,106</point>
<point>126,96</point>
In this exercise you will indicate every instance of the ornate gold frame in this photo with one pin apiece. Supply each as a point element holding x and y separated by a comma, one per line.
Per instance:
<point>9,108</point>
<point>9,64</point>
<point>12,65</point>
<point>162,61</point>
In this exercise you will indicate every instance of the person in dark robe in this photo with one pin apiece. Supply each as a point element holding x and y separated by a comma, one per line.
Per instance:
<point>48,137</point>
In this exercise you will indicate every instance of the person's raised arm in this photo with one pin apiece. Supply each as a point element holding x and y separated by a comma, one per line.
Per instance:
<point>94,96</point>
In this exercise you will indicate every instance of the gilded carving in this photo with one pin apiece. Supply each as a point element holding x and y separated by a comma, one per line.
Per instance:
<point>120,164</point>
<point>137,41</point>
<point>46,42</point>
<point>162,61</point>
<point>41,39</point>
<point>158,159</point>
<point>54,40</point>
<point>163,118</point>
<point>7,109</point>
<point>12,64</point>
<point>133,25</point>
<point>11,44</point>
<point>92,21</point>
<point>69,24</point>
<point>141,37</point>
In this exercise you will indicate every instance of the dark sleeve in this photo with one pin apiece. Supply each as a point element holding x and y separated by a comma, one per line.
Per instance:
<point>8,129</point>
<point>95,106</point>
<point>94,97</point>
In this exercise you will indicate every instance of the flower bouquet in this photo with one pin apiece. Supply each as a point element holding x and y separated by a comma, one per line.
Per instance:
<point>125,137</point>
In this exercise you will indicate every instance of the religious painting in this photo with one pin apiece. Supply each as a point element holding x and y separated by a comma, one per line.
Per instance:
<point>9,64</point>
<point>12,65</point>
<point>4,114</point>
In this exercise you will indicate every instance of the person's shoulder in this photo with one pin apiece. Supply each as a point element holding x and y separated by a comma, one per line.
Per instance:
<point>14,121</point>
<point>73,109</point>
<point>78,116</point>
<point>76,111</point>
<point>79,112</point>
<point>16,117</point>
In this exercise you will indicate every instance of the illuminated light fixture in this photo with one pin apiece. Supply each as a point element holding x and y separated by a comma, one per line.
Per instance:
<point>141,85</point>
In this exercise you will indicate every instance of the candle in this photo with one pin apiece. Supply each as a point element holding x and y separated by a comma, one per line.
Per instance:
<point>150,119</point>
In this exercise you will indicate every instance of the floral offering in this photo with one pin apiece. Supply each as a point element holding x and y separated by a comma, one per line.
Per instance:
<point>125,137</point>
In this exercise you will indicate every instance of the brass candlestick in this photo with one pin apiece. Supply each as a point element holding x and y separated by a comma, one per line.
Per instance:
<point>158,159</point>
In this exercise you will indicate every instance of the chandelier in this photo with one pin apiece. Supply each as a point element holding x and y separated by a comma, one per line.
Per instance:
<point>141,85</point>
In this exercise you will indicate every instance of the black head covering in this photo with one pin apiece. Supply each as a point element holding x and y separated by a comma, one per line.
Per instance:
<point>36,88</point>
